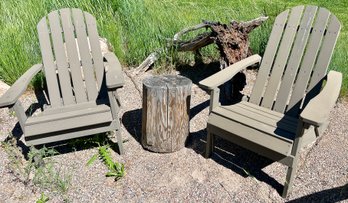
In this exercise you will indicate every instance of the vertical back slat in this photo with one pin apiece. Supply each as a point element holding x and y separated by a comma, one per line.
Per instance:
<point>295,58</point>
<point>61,60</point>
<point>282,57</point>
<point>95,47</point>
<point>324,59</point>
<point>72,52</point>
<point>308,61</point>
<point>48,61</point>
<point>268,58</point>
<point>86,59</point>
<point>326,51</point>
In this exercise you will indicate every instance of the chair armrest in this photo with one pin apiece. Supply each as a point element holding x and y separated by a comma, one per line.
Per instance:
<point>226,74</point>
<point>17,89</point>
<point>114,74</point>
<point>318,109</point>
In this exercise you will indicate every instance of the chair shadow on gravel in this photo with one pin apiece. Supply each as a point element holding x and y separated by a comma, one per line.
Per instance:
<point>336,194</point>
<point>242,161</point>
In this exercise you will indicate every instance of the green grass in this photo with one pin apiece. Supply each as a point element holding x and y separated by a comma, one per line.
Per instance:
<point>135,28</point>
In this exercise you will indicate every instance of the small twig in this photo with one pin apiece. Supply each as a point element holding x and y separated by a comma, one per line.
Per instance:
<point>252,24</point>
<point>226,190</point>
<point>189,29</point>
<point>134,83</point>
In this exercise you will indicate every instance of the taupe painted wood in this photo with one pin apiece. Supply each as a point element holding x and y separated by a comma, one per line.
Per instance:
<point>64,135</point>
<point>69,108</point>
<point>95,48</point>
<point>295,59</point>
<point>256,114</point>
<point>308,61</point>
<point>70,114</point>
<point>72,52</point>
<point>86,58</point>
<point>61,58</point>
<point>279,144</point>
<point>166,104</point>
<point>324,57</point>
<point>67,120</point>
<point>12,95</point>
<point>114,76</point>
<point>282,57</point>
<point>268,57</point>
<point>274,133</point>
<point>49,65</point>
<point>226,74</point>
<point>326,98</point>
<point>20,114</point>
<point>264,124</point>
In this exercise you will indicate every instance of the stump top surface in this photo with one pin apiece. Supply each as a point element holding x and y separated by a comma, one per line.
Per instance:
<point>166,81</point>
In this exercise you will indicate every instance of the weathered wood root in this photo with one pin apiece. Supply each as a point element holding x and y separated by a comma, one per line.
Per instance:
<point>232,41</point>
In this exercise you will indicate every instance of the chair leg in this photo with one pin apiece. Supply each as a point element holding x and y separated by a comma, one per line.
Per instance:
<point>290,176</point>
<point>119,141</point>
<point>210,145</point>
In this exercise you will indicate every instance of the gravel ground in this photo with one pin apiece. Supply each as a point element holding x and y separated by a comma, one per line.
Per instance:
<point>232,174</point>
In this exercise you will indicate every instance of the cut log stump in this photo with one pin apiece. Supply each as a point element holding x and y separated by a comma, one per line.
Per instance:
<point>165,115</point>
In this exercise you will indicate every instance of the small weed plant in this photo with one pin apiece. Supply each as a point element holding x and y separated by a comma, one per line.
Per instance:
<point>41,168</point>
<point>115,169</point>
<point>43,198</point>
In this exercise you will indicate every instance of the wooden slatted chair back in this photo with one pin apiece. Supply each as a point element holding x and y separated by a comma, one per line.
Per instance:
<point>71,55</point>
<point>296,59</point>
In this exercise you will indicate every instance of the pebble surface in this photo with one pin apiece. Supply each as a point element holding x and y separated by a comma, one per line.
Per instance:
<point>232,174</point>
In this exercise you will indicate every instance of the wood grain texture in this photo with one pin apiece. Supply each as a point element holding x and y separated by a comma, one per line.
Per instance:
<point>165,118</point>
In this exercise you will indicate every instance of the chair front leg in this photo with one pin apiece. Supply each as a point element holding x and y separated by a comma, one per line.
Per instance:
<point>20,113</point>
<point>291,173</point>
<point>115,108</point>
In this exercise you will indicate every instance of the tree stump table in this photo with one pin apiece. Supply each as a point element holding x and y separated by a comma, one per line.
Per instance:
<point>165,115</point>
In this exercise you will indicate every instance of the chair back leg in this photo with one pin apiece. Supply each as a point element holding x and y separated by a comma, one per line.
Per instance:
<point>210,144</point>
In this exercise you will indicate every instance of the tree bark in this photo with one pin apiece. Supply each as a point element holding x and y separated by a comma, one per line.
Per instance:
<point>165,116</point>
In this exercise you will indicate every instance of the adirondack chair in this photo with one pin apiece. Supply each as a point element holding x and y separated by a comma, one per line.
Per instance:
<point>82,93</point>
<point>287,108</point>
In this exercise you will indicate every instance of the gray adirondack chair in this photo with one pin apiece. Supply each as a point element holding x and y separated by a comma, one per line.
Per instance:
<point>288,108</point>
<point>82,93</point>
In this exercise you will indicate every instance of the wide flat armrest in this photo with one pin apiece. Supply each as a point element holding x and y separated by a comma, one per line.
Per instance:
<point>17,89</point>
<point>318,109</point>
<point>114,74</point>
<point>226,74</point>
